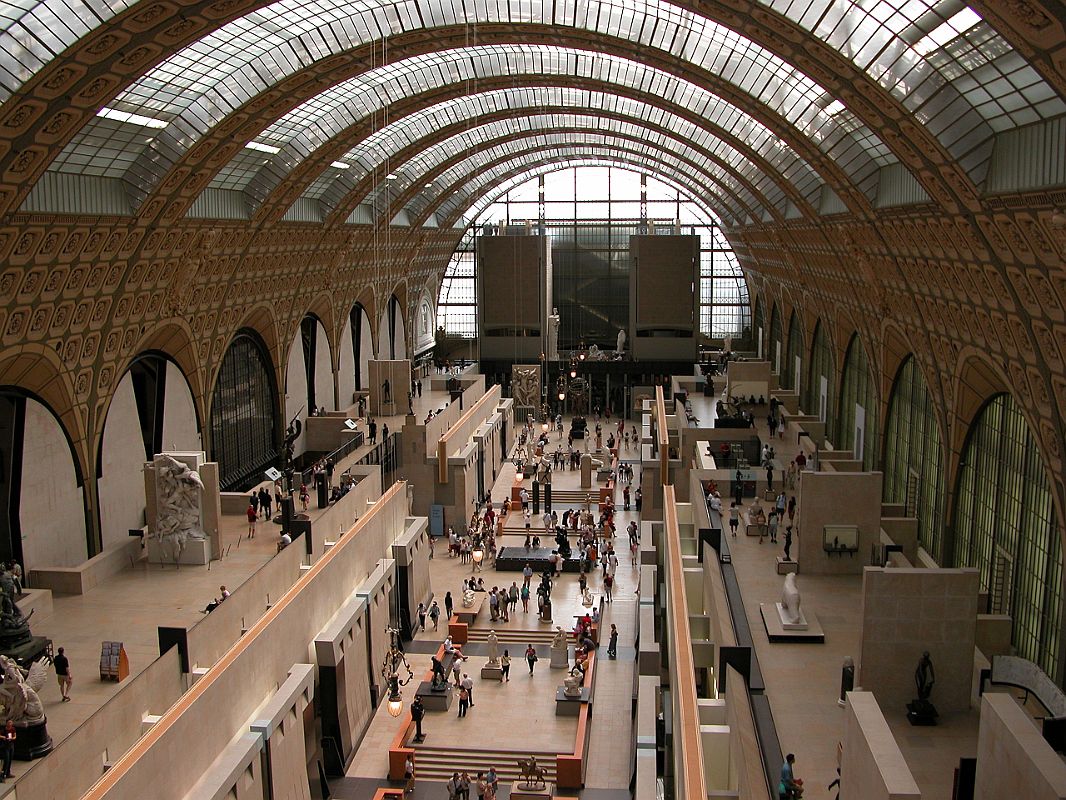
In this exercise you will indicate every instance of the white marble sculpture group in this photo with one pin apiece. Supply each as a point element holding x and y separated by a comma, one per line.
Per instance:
<point>178,492</point>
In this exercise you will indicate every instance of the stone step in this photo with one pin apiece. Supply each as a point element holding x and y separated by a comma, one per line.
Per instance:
<point>441,762</point>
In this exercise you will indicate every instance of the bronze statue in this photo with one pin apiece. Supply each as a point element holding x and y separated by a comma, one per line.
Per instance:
<point>924,676</point>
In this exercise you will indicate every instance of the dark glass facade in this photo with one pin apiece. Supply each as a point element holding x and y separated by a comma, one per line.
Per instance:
<point>244,430</point>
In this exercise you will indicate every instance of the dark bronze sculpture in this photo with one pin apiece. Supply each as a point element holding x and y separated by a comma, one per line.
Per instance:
<point>921,711</point>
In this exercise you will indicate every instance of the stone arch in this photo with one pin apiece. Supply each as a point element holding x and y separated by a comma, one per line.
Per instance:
<point>39,529</point>
<point>246,441</point>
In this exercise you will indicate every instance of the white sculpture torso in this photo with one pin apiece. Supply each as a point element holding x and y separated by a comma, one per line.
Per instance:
<point>494,649</point>
<point>559,642</point>
<point>790,598</point>
<point>621,344</point>
<point>553,335</point>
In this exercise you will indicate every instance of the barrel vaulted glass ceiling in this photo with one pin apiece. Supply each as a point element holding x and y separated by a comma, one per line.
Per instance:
<point>765,137</point>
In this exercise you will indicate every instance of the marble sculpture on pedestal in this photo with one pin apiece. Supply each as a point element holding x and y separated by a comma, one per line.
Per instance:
<point>178,492</point>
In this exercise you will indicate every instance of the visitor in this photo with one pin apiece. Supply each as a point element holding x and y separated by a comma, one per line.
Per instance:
<point>525,598</point>
<point>418,712</point>
<point>608,585</point>
<point>305,496</point>
<point>527,573</point>
<point>452,787</point>
<point>792,508</point>
<point>448,605</point>
<point>65,678</point>
<point>636,500</point>
<point>464,786</point>
<point>531,657</point>
<point>493,782</point>
<point>788,788</point>
<point>385,433</point>
<point>7,749</point>
<point>464,701</point>
<point>505,667</point>
<point>422,612</point>
<point>612,644</point>
<point>734,518</point>
<point>264,502</point>
<point>372,430</point>
<point>468,684</point>
<point>772,524</point>
<point>253,501</point>
<point>224,593</point>
<point>769,477</point>
<point>512,596</point>
<point>284,540</point>
<point>434,614</point>
<point>252,517</point>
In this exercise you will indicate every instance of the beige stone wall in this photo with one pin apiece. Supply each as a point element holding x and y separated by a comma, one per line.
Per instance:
<point>835,498</point>
<point>1013,760</point>
<point>872,766</point>
<point>219,705</point>
<point>908,611</point>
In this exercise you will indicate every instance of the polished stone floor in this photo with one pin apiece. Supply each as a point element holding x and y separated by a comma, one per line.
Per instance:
<point>131,606</point>
<point>803,680</point>
<point>520,715</point>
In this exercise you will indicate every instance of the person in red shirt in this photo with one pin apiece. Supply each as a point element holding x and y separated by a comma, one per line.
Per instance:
<point>252,517</point>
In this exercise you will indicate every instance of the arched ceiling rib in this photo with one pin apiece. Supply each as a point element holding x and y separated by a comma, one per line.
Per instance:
<point>478,145</point>
<point>340,190</point>
<point>755,167</point>
<point>313,123</point>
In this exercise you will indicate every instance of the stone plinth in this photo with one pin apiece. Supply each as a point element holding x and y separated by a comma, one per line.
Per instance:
<point>560,658</point>
<point>520,791</point>
<point>785,566</point>
<point>777,633</point>
<point>435,700</point>
<point>789,625</point>
<point>196,551</point>
<point>492,673</point>
<point>566,706</point>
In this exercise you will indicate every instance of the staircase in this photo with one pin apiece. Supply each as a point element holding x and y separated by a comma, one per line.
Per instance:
<point>512,638</point>
<point>438,763</point>
<point>574,498</point>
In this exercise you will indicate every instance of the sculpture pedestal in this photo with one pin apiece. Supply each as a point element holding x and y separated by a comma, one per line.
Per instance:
<point>567,705</point>
<point>787,624</point>
<point>921,712</point>
<point>435,700</point>
<point>196,552</point>
<point>32,740</point>
<point>522,791</point>
<point>27,651</point>
<point>776,632</point>
<point>491,672</point>
<point>785,566</point>
<point>560,658</point>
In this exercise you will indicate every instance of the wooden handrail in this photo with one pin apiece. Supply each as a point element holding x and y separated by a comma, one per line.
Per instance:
<point>689,782</point>
<point>663,437</point>
<point>444,444</point>
<point>121,767</point>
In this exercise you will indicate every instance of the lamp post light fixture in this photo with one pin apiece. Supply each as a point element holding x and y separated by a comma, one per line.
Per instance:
<point>395,661</point>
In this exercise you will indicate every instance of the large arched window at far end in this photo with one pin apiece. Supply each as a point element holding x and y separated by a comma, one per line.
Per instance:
<point>913,465</point>
<point>244,414</point>
<point>1005,526</point>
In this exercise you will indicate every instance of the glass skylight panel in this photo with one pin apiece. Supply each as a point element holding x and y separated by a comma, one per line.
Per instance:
<point>262,36</point>
<point>330,111</point>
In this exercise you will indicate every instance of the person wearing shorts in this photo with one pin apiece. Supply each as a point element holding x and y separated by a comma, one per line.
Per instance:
<point>734,519</point>
<point>62,665</point>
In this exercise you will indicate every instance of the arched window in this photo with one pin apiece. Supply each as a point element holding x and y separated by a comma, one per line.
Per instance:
<point>244,414</point>
<point>758,333</point>
<point>857,420</point>
<point>913,463</point>
<point>589,213</point>
<point>776,352</point>
<point>791,368</point>
<point>821,380</point>
<point>1005,526</point>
